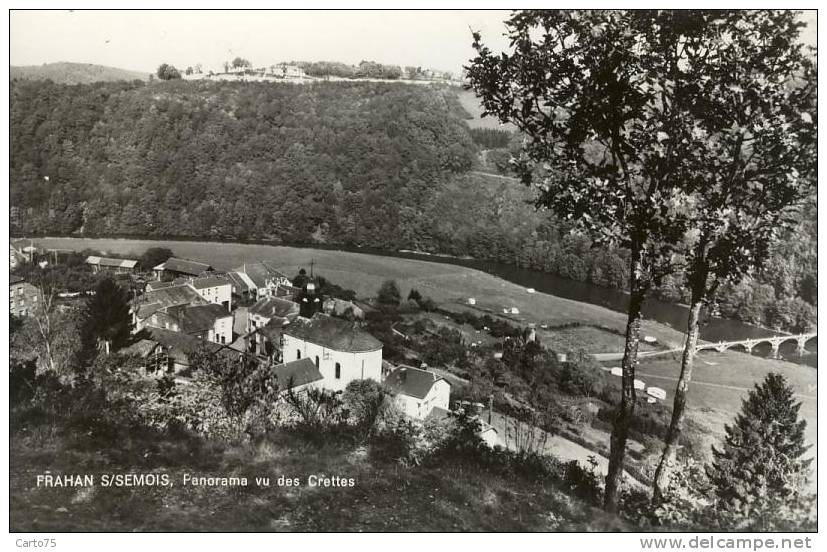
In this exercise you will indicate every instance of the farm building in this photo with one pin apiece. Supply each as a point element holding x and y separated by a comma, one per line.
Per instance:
<point>110,264</point>
<point>173,268</point>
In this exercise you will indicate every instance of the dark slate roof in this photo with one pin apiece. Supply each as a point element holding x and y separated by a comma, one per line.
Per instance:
<point>272,307</point>
<point>146,310</point>
<point>140,348</point>
<point>14,279</point>
<point>184,266</point>
<point>412,381</point>
<point>237,281</point>
<point>210,281</point>
<point>333,333</point>
<point>296,373</point>
<point>154,284</point>
<point>202,317</point>
<point>273,329</point>
<point>259,272</point>
<point>182,344</point>
<point>173,295</point>
<point>181,341</point>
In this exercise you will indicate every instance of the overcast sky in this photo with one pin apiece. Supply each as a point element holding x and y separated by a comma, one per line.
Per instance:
<point>142,40</point>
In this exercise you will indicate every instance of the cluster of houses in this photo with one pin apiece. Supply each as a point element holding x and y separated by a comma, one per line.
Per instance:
<point>308,340</point>
<point>282,72</point>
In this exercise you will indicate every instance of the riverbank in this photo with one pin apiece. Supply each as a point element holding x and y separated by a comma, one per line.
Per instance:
<point>449,284</point>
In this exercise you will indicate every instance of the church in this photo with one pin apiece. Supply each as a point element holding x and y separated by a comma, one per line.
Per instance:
<point>340,350</point>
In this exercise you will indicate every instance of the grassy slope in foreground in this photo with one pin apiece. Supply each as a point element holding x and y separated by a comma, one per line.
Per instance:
<point>385,497</point>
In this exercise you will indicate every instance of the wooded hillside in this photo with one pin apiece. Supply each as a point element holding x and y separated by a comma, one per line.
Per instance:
<point>377,165</point>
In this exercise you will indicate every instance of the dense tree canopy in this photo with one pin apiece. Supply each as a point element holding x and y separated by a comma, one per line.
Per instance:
<point>359,164</point>
<point>167,72</point>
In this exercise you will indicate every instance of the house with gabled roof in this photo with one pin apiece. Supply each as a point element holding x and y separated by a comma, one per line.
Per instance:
<point>23,296</point>
<point>167,352</point>
<point>341,350</point>
<point>173,268</point>
<point>418,391</point>
<point>265,320</point>
<point>264,278</point>
<point>297,375</point>
<point>111,264</point>
<point>215,289</point>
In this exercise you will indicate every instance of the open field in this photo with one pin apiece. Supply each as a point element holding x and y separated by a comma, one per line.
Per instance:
<point>364,273</point>
<point>720,381</point>
<point>472,105</point>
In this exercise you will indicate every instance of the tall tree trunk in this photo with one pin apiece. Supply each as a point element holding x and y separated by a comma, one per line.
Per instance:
<point>670,449</point>
<point>623,418</point>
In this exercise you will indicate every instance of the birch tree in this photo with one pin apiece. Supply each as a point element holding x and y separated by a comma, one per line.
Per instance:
<point>751,98</point>
<point>592,91</point>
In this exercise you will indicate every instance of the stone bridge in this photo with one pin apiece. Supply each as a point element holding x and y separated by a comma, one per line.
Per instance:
<point>774,341</point>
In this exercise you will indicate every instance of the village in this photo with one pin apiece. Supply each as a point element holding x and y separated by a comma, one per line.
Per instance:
<point>309,339</point>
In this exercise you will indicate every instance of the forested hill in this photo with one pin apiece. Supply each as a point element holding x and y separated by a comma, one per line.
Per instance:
<point>390,166</point>
<point>74,73</point>
<point>345,161</point>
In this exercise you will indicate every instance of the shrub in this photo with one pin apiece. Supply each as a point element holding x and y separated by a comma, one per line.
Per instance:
<point>364,401</point>
<point>316,412</point>
<point>581,376</point>
<point>584,482</point>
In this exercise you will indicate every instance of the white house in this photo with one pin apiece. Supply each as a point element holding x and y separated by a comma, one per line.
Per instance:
<point>265,321</point>
<point>264,279</point>
<point>340,350</point>
<point>215,289</point>
<point>209,322</point>
<point>418,391</point>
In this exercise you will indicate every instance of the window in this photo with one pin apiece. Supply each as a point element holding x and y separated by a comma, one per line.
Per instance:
<point>223,340</point>
<point>19,291</point>
<point>338,371</point>
<point>298,354</point>
<point>317,361</point>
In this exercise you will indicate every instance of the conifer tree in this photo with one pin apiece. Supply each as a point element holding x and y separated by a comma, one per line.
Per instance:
<point>759,469</point>
<point>107,320</point>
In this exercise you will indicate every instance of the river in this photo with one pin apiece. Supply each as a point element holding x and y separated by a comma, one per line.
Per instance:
<point>671,314</point>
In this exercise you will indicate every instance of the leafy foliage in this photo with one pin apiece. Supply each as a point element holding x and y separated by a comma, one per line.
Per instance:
<point>154,256</point>
<point>167,72</point>
<point>389,294</point>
